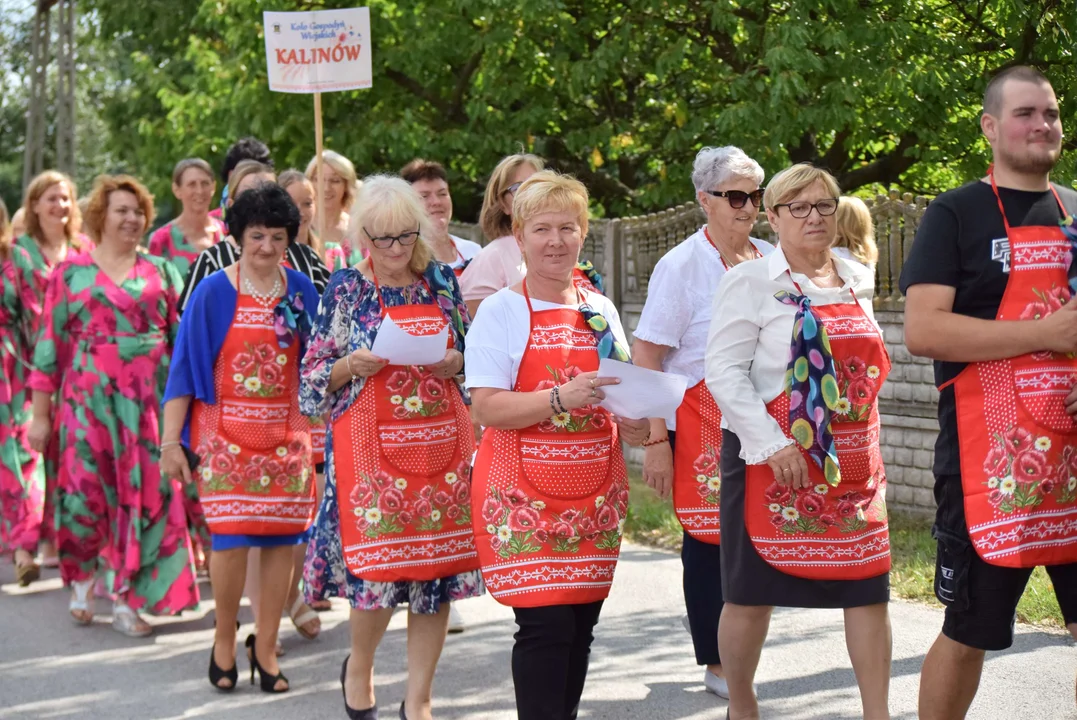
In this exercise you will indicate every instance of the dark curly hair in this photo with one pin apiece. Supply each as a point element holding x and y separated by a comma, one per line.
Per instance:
<point>266,205</point>
<point>248,148</point>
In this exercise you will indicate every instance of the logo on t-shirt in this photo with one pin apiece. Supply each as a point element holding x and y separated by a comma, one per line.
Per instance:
<point>1000,251</point>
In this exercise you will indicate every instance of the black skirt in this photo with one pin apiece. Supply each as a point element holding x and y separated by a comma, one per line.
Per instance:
<point>747,579</point>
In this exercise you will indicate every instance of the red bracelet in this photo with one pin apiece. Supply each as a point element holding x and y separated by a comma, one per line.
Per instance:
<point>649,443</point>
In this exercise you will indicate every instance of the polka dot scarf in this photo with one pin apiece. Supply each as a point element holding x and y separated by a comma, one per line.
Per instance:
<point>812,387</point>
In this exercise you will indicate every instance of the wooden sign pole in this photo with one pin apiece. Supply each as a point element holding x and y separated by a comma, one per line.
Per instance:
<point>319,185</point>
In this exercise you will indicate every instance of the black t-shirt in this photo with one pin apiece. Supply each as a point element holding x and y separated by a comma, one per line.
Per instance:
<point>961,242</point>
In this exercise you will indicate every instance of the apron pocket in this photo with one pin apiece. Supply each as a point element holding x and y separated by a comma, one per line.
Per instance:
<point>1042,387</point>
<point>420,448</point>
<point>255,426</point>
<point>565,466</point>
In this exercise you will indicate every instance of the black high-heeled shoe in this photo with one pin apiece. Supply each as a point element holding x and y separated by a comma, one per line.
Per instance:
<point>371,713</point>
<point>216,674</point>
<point>403,713</point>
<point>267,681</point>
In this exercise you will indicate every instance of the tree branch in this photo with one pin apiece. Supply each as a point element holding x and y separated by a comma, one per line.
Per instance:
<point>885,169</point>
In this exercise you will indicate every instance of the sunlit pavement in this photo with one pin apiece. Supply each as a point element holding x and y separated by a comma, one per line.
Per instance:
<point>642,663</point>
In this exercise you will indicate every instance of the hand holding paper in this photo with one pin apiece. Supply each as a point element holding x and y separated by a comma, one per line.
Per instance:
<point>402,348</point>
<point>642,393</point>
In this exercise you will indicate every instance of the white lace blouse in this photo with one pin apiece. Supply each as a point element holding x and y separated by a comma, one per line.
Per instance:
<point>748,343</point>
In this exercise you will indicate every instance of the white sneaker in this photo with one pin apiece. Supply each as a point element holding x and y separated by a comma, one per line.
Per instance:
<point>456,623</point>
<point>715,684</point>
<point>719,686</point>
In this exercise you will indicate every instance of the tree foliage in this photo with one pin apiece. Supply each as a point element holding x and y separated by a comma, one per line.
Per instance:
<point>623,93</point>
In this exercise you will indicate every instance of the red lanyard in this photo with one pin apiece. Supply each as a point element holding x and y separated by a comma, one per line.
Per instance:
<point>724,263</point>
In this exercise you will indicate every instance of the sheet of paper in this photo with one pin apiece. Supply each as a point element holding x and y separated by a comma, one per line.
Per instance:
<point>400,348</point>
<point>642,393</point>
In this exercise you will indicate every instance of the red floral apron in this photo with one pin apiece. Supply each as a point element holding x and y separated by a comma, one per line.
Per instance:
<point>401,457</point>
<point>831,533</point>
<point>1018,445</point>
<point>550,500</point>
<point>256,476</point>
<point>697,481</point>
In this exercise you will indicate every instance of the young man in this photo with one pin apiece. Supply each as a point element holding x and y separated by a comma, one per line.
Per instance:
<point>987,297</point>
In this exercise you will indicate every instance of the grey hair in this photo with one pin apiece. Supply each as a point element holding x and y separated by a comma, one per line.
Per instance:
<point>714,166</point>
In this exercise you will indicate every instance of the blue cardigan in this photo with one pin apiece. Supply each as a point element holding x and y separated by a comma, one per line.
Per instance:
<point>203,328</point>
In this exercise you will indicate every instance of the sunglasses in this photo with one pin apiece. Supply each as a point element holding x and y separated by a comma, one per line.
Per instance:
<point>386,241</point>
<point>738,198</point>
<point>511,189</point>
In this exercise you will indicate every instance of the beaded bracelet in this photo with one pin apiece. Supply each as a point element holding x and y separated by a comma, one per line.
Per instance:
<point>649,443</point>
<point>552,396</point>
<point>349,361</point>
<point>557,398</point>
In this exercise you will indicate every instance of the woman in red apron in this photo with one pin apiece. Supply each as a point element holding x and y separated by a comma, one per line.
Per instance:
<point>803,511</point>
<point>395,521</point>
<point>550,488</point>
<point>232,399</point>
<point>672,336</point>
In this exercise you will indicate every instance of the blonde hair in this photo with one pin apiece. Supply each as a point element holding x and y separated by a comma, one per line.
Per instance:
<point>343,167</point>
<point>97,203</point>
<point>387,203</point>
<point>288,178</point>
<point>38,187</point>
<point>495,223</point>
<point>789,182</point>
<point>550,191</point>
<point>856,231</point>
<point>243,170</point>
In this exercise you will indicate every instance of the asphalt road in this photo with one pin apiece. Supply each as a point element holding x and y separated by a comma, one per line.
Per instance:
<point>642,664</point>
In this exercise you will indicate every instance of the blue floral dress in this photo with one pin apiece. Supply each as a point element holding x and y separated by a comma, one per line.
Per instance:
<point>347,321</point>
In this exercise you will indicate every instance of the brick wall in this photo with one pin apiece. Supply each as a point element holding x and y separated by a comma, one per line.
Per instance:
<point>908,407</point>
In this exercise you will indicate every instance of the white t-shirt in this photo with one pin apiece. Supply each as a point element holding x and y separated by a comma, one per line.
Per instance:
<point>497,338</point>
<point>748,343</point>
<point>680,296</point>
<point>465,250</point>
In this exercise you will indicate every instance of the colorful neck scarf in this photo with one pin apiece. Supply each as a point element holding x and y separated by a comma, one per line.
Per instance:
<point>588,269</point>
<point>442,289</point>
<point>812,387</point>
<point>290,320</point>
<point>608,346</point>
<point>1069,228</point>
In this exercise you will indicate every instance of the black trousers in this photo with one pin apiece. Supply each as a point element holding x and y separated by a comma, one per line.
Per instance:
<point>702,582</point>
<point>549,659</point>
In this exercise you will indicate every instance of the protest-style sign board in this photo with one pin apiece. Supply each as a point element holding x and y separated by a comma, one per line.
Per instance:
<point>314,52</point>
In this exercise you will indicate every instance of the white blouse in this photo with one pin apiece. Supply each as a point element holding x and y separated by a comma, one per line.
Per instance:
<point>498,336</point>
<point>465,250</point>
<point>748,344</point>
<point>680,295</point>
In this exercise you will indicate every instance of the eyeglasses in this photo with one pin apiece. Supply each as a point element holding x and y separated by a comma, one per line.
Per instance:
<point>511,189</point>
<point>738,198</point>
<point>801,210</point>
<point>386,241</point>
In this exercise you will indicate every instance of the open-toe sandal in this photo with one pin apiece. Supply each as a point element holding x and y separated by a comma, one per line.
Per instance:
<point>303,615</point>
<point>127,622</point>
<point>82,601</point>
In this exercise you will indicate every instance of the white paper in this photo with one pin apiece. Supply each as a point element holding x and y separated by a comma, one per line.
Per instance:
<point>642,393</point>
<point>318,51</point>
<point>399,348</point>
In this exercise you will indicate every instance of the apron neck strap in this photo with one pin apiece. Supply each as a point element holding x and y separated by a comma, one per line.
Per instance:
<point>998,198</point>
<point>707,234</point>
<point>527,296</point>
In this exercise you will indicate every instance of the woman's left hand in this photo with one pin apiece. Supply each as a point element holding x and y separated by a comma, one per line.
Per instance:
<point>633,432</point>
<point>450,366</point>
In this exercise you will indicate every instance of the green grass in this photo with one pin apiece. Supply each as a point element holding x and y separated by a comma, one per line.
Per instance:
<point>652,521</point>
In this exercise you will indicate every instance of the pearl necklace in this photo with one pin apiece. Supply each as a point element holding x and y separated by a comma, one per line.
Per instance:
<point>266,300</point>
